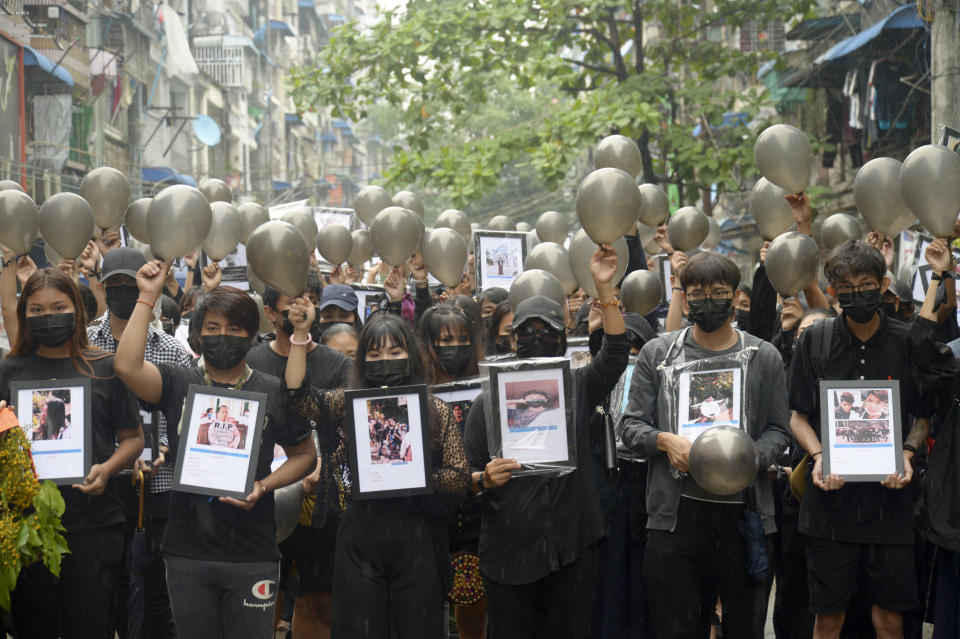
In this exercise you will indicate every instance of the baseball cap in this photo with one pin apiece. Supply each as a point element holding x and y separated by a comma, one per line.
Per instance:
<point>121,261</point>
<point>542,308</point>
<point>339,295</point>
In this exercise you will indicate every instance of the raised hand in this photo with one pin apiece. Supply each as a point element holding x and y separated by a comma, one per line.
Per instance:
<point>416,266</point>
<point>393,285</point>
<point>89,260</point>
<point>25,268</point>
<point>939,256</point>
<point>301,314</point>
<point>107,241</point>
<point>190,259</point>
<point>150,279</point>
<point>677,263</point>
<point>802,211</point>
<point>763,252</point>
<point>792,311</point>
<point>211,276</point>
<point>603,264</point>
<point>662,239</point>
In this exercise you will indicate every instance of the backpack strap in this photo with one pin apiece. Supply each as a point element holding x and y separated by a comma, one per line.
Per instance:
<point>676,345</point>
<point>821,342</point>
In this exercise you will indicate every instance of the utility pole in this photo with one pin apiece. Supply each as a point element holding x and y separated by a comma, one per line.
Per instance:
<point>945,66</point>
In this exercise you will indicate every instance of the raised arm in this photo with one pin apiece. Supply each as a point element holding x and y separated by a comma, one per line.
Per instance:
<point>140,376</point>
<point>678,260</point>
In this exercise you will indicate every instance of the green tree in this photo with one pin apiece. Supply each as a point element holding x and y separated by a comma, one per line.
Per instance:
<point>649,69</point>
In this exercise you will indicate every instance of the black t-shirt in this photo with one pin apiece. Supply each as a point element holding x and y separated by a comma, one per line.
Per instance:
<point>202,527</point>
<point>113,408</point>
<point>328,368</point>
<point>858,512</point>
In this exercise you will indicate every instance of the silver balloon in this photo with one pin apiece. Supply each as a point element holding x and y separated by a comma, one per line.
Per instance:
<point>501,223</point>
<point>770,208</point>
<point>256,284</point>
<point>608,204</point>
<point>581,252</point>
<point>930,183</point>
<point>52,256</point>
<point>362,249</point>
<point>216,190</point>
<point>536,282</point>
<point>456,220</point>
<point>334,243</point>
<point>712,240</point>
<point>641,292</point>
<point>554,259</point>
<point>552,227</point>
<point>66,223</point>
<point>303,220</point>
<point>144,249</point>
<point>876,190</point>
<point>524,227</point>
<point>278,254</point>
<point>645,233</point>
<point>135,219</point>
<point>619,152</point>
<point>369,201</point>
<point>792,262</point>
<point>838,228</point>
<point>18,221</point>
<point>532,240</point>
<point>785,157</point>
<point>445,255</point>
<point>724,460</point>
<point>178,221</point>
<point>396,234</point>
<point>287,503</point>
<point>410,201</point>
<point>688,228</point>
<point>108,192</point>
<point>252,215</point>
<point>10,184</point>
<point>226,229</point>
<point>654,205</point>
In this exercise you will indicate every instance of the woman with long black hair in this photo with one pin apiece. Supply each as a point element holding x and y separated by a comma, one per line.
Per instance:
<point>390,552</point>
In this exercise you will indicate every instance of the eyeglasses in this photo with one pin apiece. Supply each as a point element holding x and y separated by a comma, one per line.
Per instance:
<point>527,335</point>
<point>697,296</point>
<point>536,403</point>
<point>844,289</point>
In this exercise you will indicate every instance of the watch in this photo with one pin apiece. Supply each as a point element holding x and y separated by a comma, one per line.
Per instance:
<point>943,275</point>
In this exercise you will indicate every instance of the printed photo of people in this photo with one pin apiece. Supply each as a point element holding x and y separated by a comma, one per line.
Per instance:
<point>711,397</point>
<point>857,403</point>
<point>503,259</point>
<point>864,431</point>
<point>534,405</point>
<point>51,415</point>
<point>388,423</point>
<point>460,410</point>
<point>224,422</point>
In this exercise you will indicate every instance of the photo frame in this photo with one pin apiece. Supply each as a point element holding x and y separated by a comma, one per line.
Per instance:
<point>57,418</point>
<point>388,442</point>
<point>370,299</point>
<point>578,352</point>
<point>619,399</point>
<point>499,258</point>
<point>531,414</point>
<point>234,269</point>
<point>219,445</point>
<point>708,398</point>
<point>860,429</point>
<point>949,137</point>
<point>663,267</point>
<point>459,396</point>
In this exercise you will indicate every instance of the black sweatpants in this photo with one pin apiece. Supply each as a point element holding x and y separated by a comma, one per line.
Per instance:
<point>706,544</point>
<point>558,606</point>
<point>386,581</point>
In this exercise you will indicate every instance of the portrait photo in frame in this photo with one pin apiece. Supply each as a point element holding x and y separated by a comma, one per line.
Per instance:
<point>56,417</point>
<point>459,396</point>
<point>370,299</point>
<point>499,258</point>
<point>389,441</point>
<point>219,443</point>
<point>709,398</point>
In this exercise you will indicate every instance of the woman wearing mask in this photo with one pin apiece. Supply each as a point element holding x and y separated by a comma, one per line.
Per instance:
<point>52,344</point>
<point>498,336</point>
<point>377,590</point>
<point>218,551</point>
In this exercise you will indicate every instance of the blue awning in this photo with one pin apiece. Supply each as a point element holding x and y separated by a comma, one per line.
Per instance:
<point>335,17</point>
<point>730,118</point>
<point>275,25</point>
<point>328,137</point>
<point>281,186</point>
<point>165,174</point>
<point>903,18</point>
<point>32,57</point>
<point>340,124</point>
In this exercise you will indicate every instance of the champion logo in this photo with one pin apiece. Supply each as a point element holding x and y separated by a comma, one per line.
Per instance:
<point>264,589</point>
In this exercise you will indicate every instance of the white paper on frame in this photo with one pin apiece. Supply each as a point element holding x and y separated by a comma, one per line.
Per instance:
<point>861,431</point>
<point>219,444</point>
<point>393,458</point>
<point>502,260</point>
<point>708,399</point>
<point>533,422</point>
<point>53,421</point>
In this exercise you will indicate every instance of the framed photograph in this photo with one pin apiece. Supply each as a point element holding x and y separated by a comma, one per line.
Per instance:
<point>219,441</point>
<point>56,417</point>
<point>663,265</point>
<point>619,399</point>
<point>459,396</point>
<point>234,268</point>
<point>499,257</point>
<point>578,352</point>
<point>389,442</point>
<point>949,137</point>
<point>709,398</point>
<point>370,299</point>
<point>532,414</point>
<point>860,429</point>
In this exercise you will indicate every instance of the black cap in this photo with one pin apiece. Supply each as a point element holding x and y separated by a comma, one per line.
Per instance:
<point>541,308</point>
<point>121,261</point>
<point>339,295</point>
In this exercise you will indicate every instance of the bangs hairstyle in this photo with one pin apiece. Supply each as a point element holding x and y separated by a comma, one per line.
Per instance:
<point>707,268</point>
<point>472,310</point>
<point>442,320</point>
<point>80,350</point>
<point>380,330</point>
<point>853,258</point>
<point>494,295</point>
<point>235,305</point>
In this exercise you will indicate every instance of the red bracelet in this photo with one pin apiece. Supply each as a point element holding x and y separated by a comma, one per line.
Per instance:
<point>140,301</point>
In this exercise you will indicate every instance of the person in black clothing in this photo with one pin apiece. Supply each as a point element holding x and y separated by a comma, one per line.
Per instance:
<point>498,334</point>
<point>538,534</point>
<point>221,554</point>
<point>52,344</point>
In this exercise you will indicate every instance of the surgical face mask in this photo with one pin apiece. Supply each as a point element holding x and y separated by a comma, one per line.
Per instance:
<point>454,359</point>
<point>709,314</point>
<point>542,343</point>
<point>52,329</point>
<point>168,327</point>
<point>860,306</point>
<point>287,325</point>
<point>387,372</point>
<point>224,351</point>
<point>503,345</point>
<point>743,318</point>
<point>121,300</point>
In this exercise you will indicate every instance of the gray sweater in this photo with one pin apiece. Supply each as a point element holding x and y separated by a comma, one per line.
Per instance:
<point>646,417</point>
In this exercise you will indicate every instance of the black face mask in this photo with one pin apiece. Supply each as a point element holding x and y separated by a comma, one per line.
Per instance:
<point>860,306</point>
<point>538,348</point>
<point>224,351</point>
<point>890,309</point>
<point>743,318</point>
<point>287,326</point>
<point>709,314</point>
<point>387,372</point>
<point>454,359</point>
<point>168,327</point>
<point>503,345</point>
<point>121,300</point>
<point>52,329</point>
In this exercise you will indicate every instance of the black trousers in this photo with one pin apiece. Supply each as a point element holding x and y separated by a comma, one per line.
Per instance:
<point>558,606</point>
<point>706,545</point>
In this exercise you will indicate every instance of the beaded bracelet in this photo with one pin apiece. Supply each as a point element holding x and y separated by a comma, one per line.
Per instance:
<point>305,342</point>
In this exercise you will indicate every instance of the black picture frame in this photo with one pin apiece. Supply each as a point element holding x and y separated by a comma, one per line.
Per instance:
<point>52,448</point>
<point>480,238</point>
<point>191,458</point>
<point>372,478</point>
<point>368,295</point>
<point>851,441</point>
